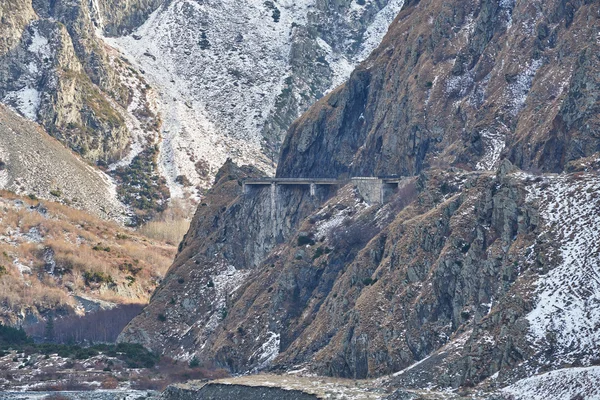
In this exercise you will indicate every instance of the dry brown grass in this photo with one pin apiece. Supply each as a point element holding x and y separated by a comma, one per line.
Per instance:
<point>169,231</point>
<point>171,225</point>
<point>125,265</point>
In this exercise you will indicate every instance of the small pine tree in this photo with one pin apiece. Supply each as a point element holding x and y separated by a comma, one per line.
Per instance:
<point>204,43</point>
<point>194,362</point>
<point>49,332</point>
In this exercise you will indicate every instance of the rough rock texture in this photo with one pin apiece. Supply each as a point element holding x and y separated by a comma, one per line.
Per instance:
<point>457,83</point>
<point>457,279</point>
<point>55,69</point>
<point>215,391</point>
<point>58,73</point>
<point>229,237</point>
<point>120,17</point>
<point>36,164</point>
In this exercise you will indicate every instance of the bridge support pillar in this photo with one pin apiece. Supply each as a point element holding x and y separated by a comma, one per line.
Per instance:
<point>273,199</point>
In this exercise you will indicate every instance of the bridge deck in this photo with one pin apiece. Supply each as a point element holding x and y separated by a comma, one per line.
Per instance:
<point>293,181</point>
<point>372,188</point>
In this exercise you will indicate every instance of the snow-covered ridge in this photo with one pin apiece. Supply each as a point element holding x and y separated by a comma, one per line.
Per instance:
<point>219,68</point>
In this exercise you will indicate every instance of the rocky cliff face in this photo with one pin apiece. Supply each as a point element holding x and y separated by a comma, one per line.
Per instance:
<point>460,84</point>
<point>212,80</point>
<point>464,269</point>
<point>55,71</point>
<point>117,18</point>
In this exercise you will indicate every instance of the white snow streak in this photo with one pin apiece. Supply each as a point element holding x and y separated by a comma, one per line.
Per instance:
<point>494,143</point>
<point>517,92</point>
<point>268,351</point>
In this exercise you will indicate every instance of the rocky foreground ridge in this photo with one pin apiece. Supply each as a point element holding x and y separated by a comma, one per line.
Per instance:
<point>481,271</point>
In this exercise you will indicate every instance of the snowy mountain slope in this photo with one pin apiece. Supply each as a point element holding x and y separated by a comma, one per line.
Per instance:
<point>572,383</point>
<point>566,317</point>
<point>232,76</point>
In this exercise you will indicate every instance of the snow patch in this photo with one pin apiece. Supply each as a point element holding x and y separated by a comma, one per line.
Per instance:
<point>377,30</point>
<point>39,44</point>
<point>494,143</point>
<point>268,351</point>
<point>23,269</point>
<point>518,90</point>
<point>225,283</point>
<point>26,100</point>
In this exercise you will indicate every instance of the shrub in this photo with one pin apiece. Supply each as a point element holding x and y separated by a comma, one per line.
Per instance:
<point>141,187</point>
<point>97,278</point>
<point>130,280</point>
<point>56,193</point>
<point>110,382</point>
<point>356,234</point>
<point>369,281</point>
<point>10,337</point>
<point>136,355</point>
<point>304,240</point>
<point>99,247</point>
<point>2,165</point>
<point>223,313</point>
<point>183,180</point>
<point>161,317</point>
<point>320,251</point>
<point>194,362</point>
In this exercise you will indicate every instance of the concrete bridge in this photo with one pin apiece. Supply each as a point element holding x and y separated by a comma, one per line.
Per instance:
<point>372,189</point>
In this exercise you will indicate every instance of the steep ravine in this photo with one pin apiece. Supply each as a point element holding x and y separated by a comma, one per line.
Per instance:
<point>233,75</point>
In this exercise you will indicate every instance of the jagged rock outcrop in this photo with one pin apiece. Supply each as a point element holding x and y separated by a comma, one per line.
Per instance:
<point>230,238</point>
<point>118,17</point>
<point>477,269</point>
<point>56,70</point>
<point>460,83</point>
<point>57,73</point>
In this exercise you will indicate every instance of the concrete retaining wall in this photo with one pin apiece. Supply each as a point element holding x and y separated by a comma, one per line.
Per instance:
<point>217,391</point>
